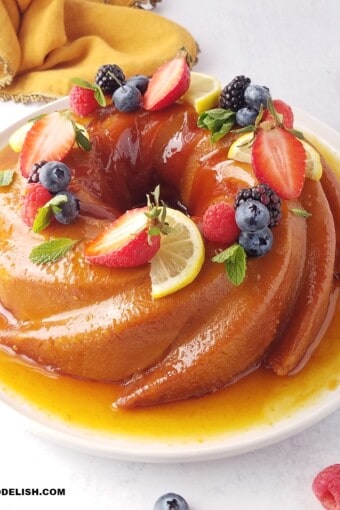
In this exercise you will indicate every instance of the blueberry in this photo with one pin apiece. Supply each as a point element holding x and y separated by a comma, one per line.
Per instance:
<point>54,176</point>
<point>246,116</point>
<point>258,243</point>
<point>69,209</point>
<point>252,216</point>
<point>127,98</point>
<point>139,81</point>
<point>255,95</point>
<point>171,501</point>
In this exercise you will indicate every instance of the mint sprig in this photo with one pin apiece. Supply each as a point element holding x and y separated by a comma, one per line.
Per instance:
<point>156,215</point>
<point>51,250</point>
<point>6,177</point>
<point>45,213</point>
<point>98,93</point>
<point>235,260</point>
<point>218,120</point>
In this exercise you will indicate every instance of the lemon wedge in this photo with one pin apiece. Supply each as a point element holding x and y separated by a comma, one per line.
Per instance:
<point>240,150</point>
<point>16,140</point>
<point>204,91</point>
<point>313,162</point>
<point>180,257</point>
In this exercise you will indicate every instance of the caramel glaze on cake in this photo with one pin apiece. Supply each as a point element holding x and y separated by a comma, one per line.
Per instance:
<point>100,323</point>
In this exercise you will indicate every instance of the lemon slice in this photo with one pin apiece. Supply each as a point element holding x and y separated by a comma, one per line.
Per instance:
<point>204,92</point>
<point>180,257</point>
<point>313,162</point>
<point>16,140</point>
<point>240,150</point>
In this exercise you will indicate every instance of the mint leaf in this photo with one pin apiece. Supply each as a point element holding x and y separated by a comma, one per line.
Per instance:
<point>300,211</point>
<point>45,213</point>
<point>235,261</point>
<point>98,93</point>
<point>82,139</point>
<point>51,250</point>
<point>6,177</point>
<point>218,121</point>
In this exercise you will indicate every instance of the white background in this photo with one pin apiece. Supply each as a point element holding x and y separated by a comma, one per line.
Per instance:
<point>294,48</point>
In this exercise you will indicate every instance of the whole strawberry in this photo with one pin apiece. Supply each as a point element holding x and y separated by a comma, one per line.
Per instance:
<point>326,487</point>
<point>82,101</point>
<point>36,196</point>
<point>219,225</point>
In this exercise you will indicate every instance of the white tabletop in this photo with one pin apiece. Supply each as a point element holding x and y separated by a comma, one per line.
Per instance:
<point>293,47</point>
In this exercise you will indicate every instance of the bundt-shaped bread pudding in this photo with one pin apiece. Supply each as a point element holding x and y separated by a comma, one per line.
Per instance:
<point>261,232</point>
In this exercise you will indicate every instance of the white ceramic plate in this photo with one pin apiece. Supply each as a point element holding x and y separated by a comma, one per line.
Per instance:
<point>177,450</point>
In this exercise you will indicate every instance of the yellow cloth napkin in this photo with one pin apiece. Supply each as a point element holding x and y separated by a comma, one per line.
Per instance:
<point>46,43</point>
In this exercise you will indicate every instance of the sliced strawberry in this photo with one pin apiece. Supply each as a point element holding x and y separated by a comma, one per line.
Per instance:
<point>168,84</point>
<point>50,139</point>
<point>125,243</point>
<point>284,109</point>
<point>279,160</point>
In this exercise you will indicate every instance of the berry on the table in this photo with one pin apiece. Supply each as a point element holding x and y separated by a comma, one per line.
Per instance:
<point>82,101</point>
<point>69,209</point>
<point>326,487</point>
<point>219,225</point>
<point>139,81</point>
<point>256,95</point>
<point>127,99</point>
<point>171,501</point>
<point>279,159</point>
<point>55,176</point>
<point>264,194</point>
<point>246,116</point>
<point>256,243</point>
<point>232,95</point>
<point>283,109</point>
<point>34,173</point>
<point>36,196</point>
<point>109,77</point>
<point>252,216</point>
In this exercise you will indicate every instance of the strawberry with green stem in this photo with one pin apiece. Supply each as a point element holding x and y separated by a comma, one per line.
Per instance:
<point>278,156</point>
<point>131,240</point>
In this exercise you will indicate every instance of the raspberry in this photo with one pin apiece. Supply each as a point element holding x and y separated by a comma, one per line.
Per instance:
<point>109,77</point>
<point>36,196</point>
<point>264,194</point>
<point>219,224</point>
<point>82,101</point>
<point>232,96</point>
<point>326,487</point>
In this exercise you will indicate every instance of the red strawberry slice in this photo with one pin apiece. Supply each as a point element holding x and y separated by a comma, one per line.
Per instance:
<point>284,109</point>
<point>125,243</point>
<point>279,160</point>
<point>168,84</point>
<point>49,139</point>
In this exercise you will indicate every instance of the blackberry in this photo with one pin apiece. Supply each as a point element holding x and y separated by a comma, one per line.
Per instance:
<point>34,173</point>
<point>264,194</point>
<point>232,96</point>
<point>106,81</point>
